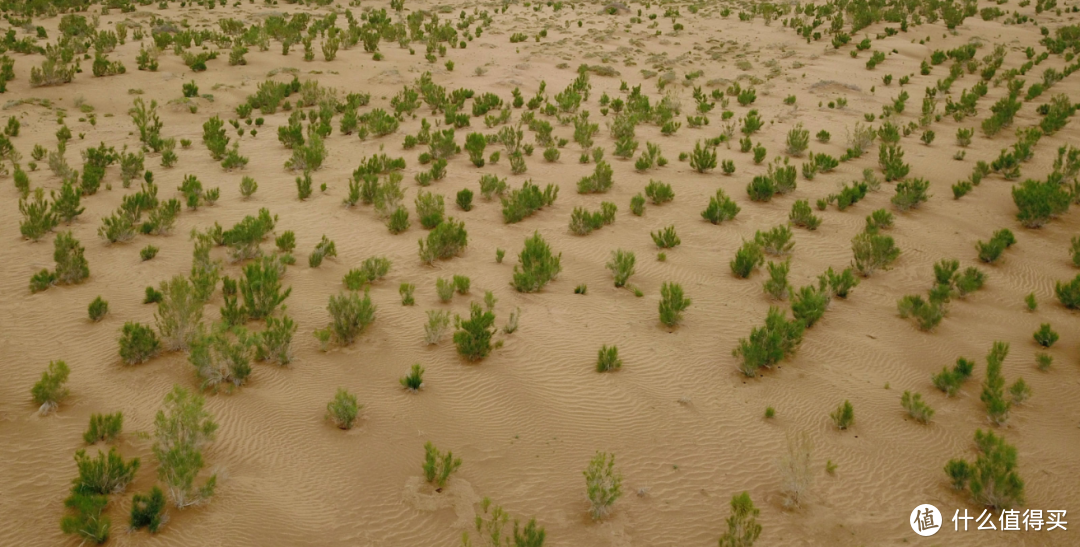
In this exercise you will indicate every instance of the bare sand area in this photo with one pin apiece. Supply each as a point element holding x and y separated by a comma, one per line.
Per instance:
<point>685,421</point>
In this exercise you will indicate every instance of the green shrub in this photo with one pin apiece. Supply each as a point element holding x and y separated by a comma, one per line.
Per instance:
<point>437,324</point>
<point>525,201</point>
<point>743,528</point>
<point>608,359</point>
<point>621,266</point>
<point>672,304</point>
<point>430,209</point>
<point>599,182</point>
<point>414,380</point>
<point>720,208</point>
<point>808,304</point>
<point>992,479</point>
<point>910,193</point>
<point>916,408</point>
<point>104,427</point>
<point>537,265</point>
<point>103,475</point>
<point>873,252</point>
<point>1045,336</point>
<point>97,310</point>
<point>747,259</point>
<point>438,466</point>
<point>447,240</point>
<point>148,511</point>
<point>464,199</point>
<point>274,343</point>
<point>666,238</point>
<point>406,292</point>
<point>703,158</point>
<point>950,381</point>
<point>261,288</point>
<point>603,484</point>
<point>138,343</point>
<point>1068,293</point>
<point>637,205</point>
<point>844,416</point>
<point>350,315</point>
<point>71,265</point>
<point>1039,202</point>
<point>50,391</point>
<point>990,252</point>
<point>926,313</point>
<point>445,289</point>
<point>88,520</point>
<point>776,242</point>
<point>993,393</point>
<point>769,344</point>
<point>798,139</point>
<point>801,215</point>
<point>659,192</point>
<point>473,336</point>
<point>839,284</point>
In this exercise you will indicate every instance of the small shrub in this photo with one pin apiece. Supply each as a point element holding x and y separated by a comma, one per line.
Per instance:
<point>148,511</point>
<point>916,408</point>
<point>603,484</point>
<point>659,192</point>
<point>464,199</point>
<point>50,391</point>
<point>537,265</point>
<point>437,324</point>
<point>621,265</point>
<point>438,466</point>
<point>97,310</point>
<point>473,337</point>
<point>414,380</point>
<point>873,252</point>
<point>1045,336</point>
<point>350,315</point>
<point>104,427</point>
<point>406,292</point>
<point>343,409</point>
<point>138,343</point>
<point>445,289</point>
<point>844,416</point>
<point>747,259</point>
<point>801,215</point>
<point>720,208</point>
<point>608,359</point>
<point>672,304</point>
<point>992,479</point>
<point>666,238</point>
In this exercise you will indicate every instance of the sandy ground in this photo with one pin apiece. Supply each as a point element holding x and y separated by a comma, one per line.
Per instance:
<point>686,426</point>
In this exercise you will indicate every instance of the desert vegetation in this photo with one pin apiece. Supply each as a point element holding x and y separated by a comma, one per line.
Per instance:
<point>170,164</point>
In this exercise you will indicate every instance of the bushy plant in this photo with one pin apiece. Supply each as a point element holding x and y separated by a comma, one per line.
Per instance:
<point>1039,202</point>
<point>798,139</point>
<point>659,192</point>
<point>437,324</point>
<point>473,336</point>
<point>910,193</point>
<point>438,466</point>
<point>274,343</point>
<point>769,344</point>
<point>844,416</point>
<point>747,259</point>
<point>809,303</point>
<point>1068,293</point>
<point>992,479</point>
<point>666,238</point>
<point>872,252</point>
<point>603,484</point>
<point>672,304</point>
<point>447,240</point>
<point>703,158</point>
<point>743,528</point>
<point>720,208</point>
<point>801,215</point>
<point>621,265</point>
<point>179,313</point>
<point>138,343</point>
<point>350,315</point>
<point>50,390</point>
<point>181,430</point>
<point>537,265</point>
<point>414,380</point>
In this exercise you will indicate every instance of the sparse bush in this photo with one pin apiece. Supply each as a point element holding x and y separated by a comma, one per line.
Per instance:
<point>993,393</point>
<point>808,304</point>
<point>743,528</point>
<point>844,416</point>
<point>798,139</point>
<point>437,324</point>
<point>447,240</point>
<point>776,242</point>
<point>910,193</point>
<point>414,380</point>
<point>801,215</point>
<point>796,476</point>
<point>138,343</point>
<point>992,479</point>
<point>1068,293</point>
<point>720,208</point>
<point>1045,336</point>
<point>104,427</point>
<point>950,381</point>
<point>148,511</point>
<point>537,265</point>
<point>916,408</point>
<point>473,337</point>
<point>350,315</point>
<point>621,266</point>
<point>50,390</point>
<point>1039,202</point>
<point>873,252</point>
<point>182,429</point>
<point>603,484</point>
<point>659,192</point>
<point>672,304</point>
<point>703,158</point>
<point>747,259</point>
<point>438,466</point>
<point>666,238</point>
<point>179,313</point>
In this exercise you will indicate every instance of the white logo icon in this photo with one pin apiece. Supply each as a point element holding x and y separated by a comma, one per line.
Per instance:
<point>925,520</point>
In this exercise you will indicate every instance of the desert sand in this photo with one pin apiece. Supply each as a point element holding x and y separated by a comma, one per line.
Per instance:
<point>686,426</point>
